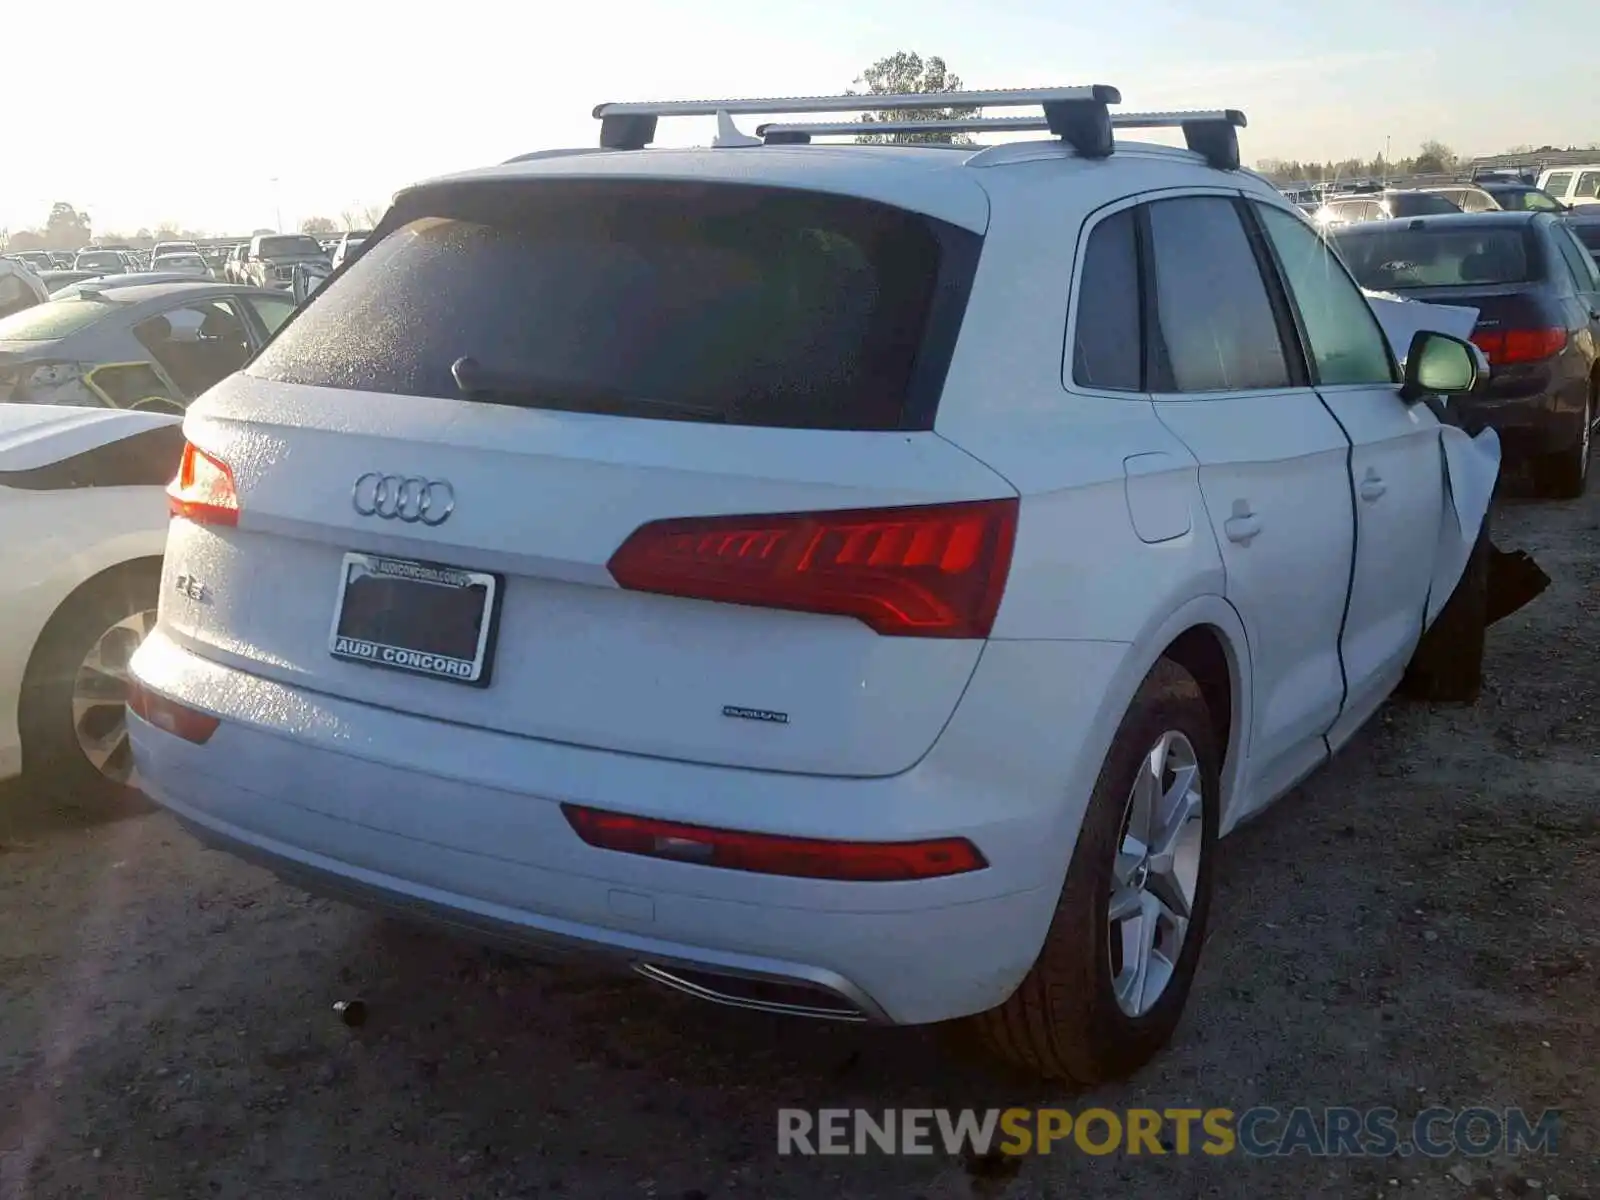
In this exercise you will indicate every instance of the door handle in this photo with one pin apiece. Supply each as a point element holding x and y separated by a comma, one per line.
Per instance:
<point>1243,525</point>
<point>1372,487</point>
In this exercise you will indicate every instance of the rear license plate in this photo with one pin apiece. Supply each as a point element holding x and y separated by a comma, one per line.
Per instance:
<point>422,618</point>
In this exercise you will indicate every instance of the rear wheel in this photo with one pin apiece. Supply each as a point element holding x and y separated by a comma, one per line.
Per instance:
<point>73,718</point>
<point>1109,985</point>
<point>1566,474</point>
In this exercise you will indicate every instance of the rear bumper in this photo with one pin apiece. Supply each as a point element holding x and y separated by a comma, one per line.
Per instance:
<point>463,827</point>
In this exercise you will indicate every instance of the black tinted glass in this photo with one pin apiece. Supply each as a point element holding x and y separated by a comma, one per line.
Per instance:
<point>1420,204</point>
<point>1216,319</point>
<point>1443,255</point>
<point>1106,349</point>
<point>713,302</point>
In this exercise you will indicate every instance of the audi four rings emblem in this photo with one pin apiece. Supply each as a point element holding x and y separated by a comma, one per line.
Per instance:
<point>408,498</point>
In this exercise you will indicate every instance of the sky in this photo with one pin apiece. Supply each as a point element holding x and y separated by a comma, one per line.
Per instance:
<point>227,117</point>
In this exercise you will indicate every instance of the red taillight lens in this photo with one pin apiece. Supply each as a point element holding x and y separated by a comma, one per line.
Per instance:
<point>1506,346</point>
<point>772,854</point>
<point>203,489</point>
<point>175,718</point>
<point>935,570</point>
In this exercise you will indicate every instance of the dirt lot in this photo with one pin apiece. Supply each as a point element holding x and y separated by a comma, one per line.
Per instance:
<point>1416,926</point>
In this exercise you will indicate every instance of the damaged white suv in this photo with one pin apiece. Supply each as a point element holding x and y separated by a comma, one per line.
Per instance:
<point>859,581</point>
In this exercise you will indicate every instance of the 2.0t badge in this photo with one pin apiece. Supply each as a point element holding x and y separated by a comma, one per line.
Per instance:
<point>408,498</point>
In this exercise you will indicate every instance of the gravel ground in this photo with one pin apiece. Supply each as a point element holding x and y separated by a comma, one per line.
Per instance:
<point>1414,926</point>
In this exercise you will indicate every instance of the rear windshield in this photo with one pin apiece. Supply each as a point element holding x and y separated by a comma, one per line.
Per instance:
<point>100,260</point>
<point>1443,255</point>
<point>1525,199</point>
<point>51,320</point>
<point>288,247</point>
<point>1420,204</point>
<point>724,303</point>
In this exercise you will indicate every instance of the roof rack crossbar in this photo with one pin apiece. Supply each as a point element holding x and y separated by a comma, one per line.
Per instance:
<point>1209,132</point>
<point>1076,113</point>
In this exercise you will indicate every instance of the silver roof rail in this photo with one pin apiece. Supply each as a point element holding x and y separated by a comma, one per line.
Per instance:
<point>1211,132</point>
<point>1077,114</point>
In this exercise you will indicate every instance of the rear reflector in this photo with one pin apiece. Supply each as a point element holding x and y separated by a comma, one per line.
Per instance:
<point>1506,346</point>
<point>203,489</point>
<point>177,719</point>
<point>772,854</point>
<point>935,570</point>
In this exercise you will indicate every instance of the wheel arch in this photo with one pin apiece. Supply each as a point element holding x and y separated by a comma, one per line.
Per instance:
<point>1205,636</point>
<point>63,611</point>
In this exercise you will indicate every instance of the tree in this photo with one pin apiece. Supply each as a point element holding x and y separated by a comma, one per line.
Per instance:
<point>365,217</point>
<point>318,226</point>
<point>25,239</point>
<point>1435,157</point>
<point>904,73</point>
<point>261,232</point>
<point>66,228</point>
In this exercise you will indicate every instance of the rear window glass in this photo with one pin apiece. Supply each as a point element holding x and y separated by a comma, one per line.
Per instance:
<point>1420,204</point>
<point>284,247</point>
<point>100,261</point>
<point>746,305</point>
<point>1391,259</point>
<point>51,320</point>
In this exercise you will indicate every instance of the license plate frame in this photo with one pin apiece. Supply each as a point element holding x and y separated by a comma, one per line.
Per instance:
<point>348,646</point>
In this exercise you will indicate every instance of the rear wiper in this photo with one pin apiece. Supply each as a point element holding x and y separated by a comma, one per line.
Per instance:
<point>477,382</point>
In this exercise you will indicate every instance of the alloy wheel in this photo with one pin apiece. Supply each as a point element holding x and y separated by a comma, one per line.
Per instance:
<point>1156,874</point>
<point>100,695</point>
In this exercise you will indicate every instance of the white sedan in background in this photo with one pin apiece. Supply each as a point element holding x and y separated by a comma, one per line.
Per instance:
<point>83,521</point>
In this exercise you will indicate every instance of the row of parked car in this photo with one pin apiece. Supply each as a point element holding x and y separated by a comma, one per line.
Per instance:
<point>856,593</point>
<point>1521,256</point>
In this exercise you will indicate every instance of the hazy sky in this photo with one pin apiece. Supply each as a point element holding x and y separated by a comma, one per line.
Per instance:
<point>186,110</point>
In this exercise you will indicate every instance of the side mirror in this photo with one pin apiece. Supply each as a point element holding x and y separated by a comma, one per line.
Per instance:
<point>1438,365</point>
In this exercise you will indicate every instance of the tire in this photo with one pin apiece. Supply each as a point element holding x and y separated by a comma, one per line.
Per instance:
<point>57,769</point>
<point>1447,666</point>
<point>1065,1021</point>
<point>1565,475</point>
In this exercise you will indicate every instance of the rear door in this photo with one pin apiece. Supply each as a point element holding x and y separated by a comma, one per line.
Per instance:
<point>546,369</point>
<point>1395,463</point>
<point>1273,469</point>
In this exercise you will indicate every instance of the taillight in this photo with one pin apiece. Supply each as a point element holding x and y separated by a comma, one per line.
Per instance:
<point>177,719</point>
<point>1506,346</point>
<point>203,490</point>
<point>935,570</point>
<point>774,854</point>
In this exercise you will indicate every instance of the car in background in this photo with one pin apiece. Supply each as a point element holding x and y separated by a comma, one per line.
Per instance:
<point>1466,197</point>
<point>348,245</point>
<point>181,263</point>
<point>1381,206</point>
<point>143,345</point>
<point>1537,292</point>
<point>58,281</point>
<point>270,260</point>
<point>20,287</point>
<point>62,259</point>
<point>1576,186</point>
<point>101,262</point>
<point>183,247</point>
<point>37,261</point>
<point>105,283</point>
<point>1516,196</point>
<point>233,264</point>
<point>83,522</point>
